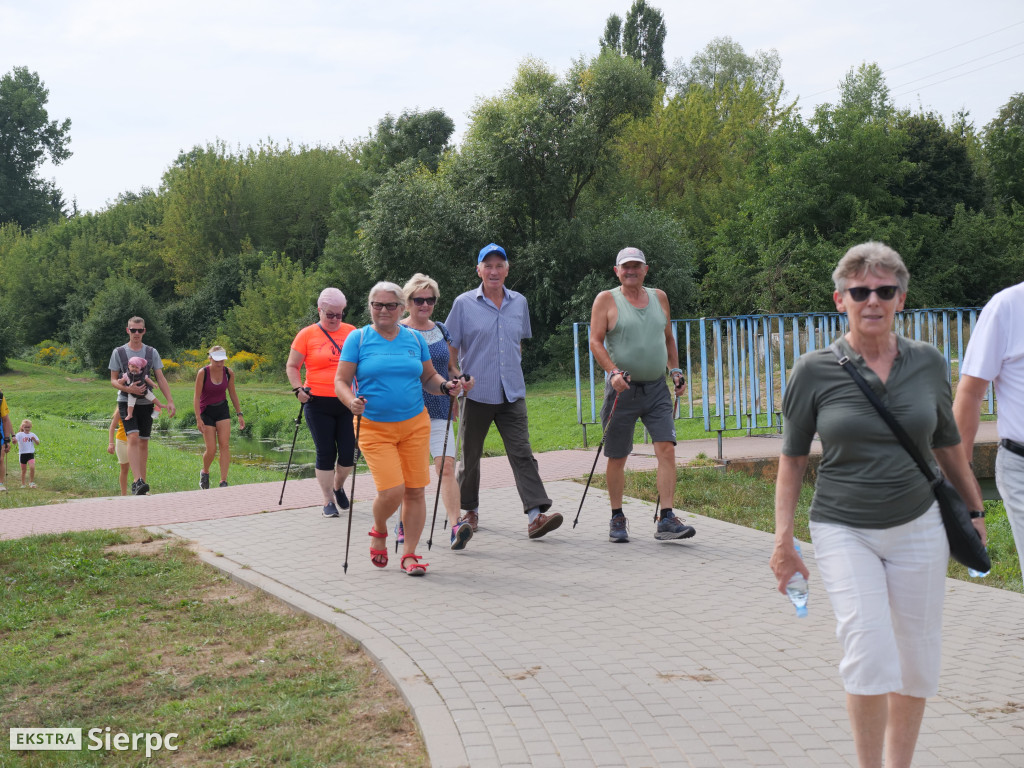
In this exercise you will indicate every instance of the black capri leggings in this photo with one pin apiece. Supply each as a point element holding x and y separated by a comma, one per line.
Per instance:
<point>330,423</point>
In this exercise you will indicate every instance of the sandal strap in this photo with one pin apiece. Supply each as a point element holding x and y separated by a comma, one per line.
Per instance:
<point>417,564</point>
<point>376,534</point>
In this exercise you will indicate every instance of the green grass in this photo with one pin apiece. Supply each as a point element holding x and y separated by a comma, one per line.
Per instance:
<point>743,500</point>
<point>96,631</point>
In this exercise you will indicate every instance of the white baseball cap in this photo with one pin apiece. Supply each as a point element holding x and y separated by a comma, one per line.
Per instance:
<point>629,254</point>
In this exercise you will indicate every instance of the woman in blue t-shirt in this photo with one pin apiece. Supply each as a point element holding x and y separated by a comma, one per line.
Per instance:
<point>392,366</point>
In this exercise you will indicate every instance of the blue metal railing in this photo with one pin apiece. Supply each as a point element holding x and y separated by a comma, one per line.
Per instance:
<point>742,361</point>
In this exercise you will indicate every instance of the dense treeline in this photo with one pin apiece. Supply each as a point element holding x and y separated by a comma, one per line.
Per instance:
<point>741,204</point>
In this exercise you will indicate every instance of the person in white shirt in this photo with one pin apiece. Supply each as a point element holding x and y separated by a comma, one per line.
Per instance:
<point>995,353</point>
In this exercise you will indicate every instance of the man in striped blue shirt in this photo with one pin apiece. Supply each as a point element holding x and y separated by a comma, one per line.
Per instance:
<point>488,326</point>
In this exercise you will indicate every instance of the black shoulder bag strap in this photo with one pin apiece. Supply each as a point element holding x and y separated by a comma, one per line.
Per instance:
<point>333,342</point>
<point>894,425</point>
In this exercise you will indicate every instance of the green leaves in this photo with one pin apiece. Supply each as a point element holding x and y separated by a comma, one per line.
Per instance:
<point>27,138</point>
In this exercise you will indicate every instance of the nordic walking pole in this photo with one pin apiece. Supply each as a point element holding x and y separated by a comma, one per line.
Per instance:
<point>604,431</point>
<point>298,423</point>
<point>460,401</point>
<point>440,473</point>
<point>352,490</point>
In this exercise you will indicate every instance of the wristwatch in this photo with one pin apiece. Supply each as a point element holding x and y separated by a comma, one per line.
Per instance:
<point>976,513</point>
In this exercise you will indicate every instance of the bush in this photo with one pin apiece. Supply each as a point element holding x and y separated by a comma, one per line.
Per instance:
<point>246,361</point>
<point>52,353</point>
<point>104,327</point>
<point>276,303</point>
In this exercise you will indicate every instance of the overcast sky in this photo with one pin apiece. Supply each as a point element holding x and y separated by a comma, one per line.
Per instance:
<point>142,81</point>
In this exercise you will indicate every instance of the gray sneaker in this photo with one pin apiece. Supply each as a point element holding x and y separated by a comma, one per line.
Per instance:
<point>618,529</point>
<point>462,532</point>
<point>204,480</point>
<point>330,510</point>
<point>672,527</point>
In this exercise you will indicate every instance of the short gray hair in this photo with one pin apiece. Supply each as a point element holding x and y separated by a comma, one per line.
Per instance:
<point>873,257</point>
<point>387,287</point>
<point>332,296</point>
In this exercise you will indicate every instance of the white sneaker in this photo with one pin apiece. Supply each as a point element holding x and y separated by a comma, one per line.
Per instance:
<point>3,487</point>
<point>31,485</point>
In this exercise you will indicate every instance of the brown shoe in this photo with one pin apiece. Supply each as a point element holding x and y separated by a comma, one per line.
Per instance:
<point>472,517</point>
<point>544,524</point>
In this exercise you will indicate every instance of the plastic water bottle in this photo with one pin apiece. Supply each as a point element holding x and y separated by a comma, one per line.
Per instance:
<point>978,574</point>
<point>796,588</point>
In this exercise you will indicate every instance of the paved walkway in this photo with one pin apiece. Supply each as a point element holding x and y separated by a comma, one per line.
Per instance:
<point>571,651</point>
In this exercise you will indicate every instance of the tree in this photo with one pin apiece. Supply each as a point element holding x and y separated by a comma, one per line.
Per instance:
<point>205,213</point>
<point>418,136</point>
<point>544,140</point>
<point>643,37</point>
<point>690,155</point>
<point>723,61</point>
<point>120,298</point>
<point>27,138</point>
<point>612,37</point>
<point>1004,152</point>
<point>943,175</point>
<point>276,302</point>
<point>865,92</point>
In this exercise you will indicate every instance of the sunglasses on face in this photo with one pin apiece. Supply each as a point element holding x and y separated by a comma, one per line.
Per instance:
<point>883,292</point>
<point>333,315</point>
<point>419,301</point>
<point>136,330</point>
<point>390,306</point>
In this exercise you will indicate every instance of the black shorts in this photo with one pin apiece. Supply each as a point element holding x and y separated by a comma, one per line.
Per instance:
<point>25,458</point>
<point>216,412</point>
<point>141,420</point>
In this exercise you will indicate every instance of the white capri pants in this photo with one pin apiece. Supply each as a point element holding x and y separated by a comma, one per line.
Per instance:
<point>437,438</point>
<point>886,586</point>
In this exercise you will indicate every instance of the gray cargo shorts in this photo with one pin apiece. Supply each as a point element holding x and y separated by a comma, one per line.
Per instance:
<point>648,401</point>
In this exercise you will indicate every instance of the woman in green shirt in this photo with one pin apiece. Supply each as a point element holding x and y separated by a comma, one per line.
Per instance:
<point>879,541</point>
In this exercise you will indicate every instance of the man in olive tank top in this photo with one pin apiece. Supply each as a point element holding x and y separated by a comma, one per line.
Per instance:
<point>631,334</point>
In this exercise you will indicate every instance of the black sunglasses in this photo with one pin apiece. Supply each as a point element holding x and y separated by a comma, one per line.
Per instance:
<point>333,315</point>
<point>136,330</point>
<point>390,306</point>
<point>884,292</point>
<point>419,301</point>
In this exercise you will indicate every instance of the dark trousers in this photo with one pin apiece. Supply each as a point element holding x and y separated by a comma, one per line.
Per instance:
<point>330,424</point>
<point>511,421</point>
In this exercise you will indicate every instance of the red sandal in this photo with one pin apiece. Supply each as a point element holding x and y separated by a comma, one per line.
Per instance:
<point>417,568</point>
<point>379,557</point>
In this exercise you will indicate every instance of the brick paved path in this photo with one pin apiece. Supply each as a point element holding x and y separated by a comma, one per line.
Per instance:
<point>571,651</point>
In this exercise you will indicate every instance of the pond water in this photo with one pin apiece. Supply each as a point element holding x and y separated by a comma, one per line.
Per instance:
<point>267,453</point>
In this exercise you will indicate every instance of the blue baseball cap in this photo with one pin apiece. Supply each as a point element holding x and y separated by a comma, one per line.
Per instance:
<point>490,248</point>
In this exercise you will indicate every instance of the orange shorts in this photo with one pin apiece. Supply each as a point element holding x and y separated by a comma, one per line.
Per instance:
<point>397,452</point>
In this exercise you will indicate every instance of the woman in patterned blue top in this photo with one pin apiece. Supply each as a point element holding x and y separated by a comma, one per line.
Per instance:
<point>421,295</point>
